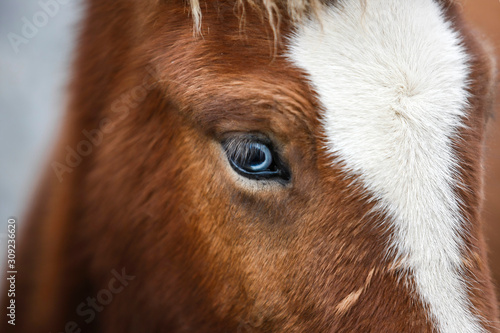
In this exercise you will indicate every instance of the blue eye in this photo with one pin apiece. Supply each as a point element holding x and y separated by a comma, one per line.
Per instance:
<point>255,159</point>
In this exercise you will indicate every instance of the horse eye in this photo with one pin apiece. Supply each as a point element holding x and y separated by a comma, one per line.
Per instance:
<point>255,159</point>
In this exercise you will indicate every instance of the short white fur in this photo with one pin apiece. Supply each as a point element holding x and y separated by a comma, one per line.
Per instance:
<point>392,78</point>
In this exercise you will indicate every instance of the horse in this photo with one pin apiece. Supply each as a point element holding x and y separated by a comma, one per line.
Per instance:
<point>265,166</point>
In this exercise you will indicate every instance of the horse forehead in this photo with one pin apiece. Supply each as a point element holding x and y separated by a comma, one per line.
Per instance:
<point>387,74</point>
<point>380,50</point>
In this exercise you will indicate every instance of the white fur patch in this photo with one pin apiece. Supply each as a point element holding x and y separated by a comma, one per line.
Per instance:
<point>392,78</point>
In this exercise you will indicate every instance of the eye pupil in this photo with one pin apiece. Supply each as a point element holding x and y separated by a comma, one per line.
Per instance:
<point>255,159</point>
<point>259,157</point>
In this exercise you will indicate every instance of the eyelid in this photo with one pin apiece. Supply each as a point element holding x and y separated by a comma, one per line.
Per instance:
<point>237,144</point>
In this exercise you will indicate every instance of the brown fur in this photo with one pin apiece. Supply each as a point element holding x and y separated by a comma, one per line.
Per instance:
<point>158,198</point>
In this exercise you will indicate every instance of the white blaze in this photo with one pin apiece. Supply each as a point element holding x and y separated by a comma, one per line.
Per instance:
<point>392,77</point>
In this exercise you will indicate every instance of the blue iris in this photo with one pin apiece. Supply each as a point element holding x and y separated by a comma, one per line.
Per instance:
<point>258,157</point>
<point>255,159</point>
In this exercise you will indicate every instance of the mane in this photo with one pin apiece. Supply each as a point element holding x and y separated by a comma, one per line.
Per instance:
<point>273,10</point>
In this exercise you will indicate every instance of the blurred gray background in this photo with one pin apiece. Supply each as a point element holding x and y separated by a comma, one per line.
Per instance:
<point>36,43</point>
